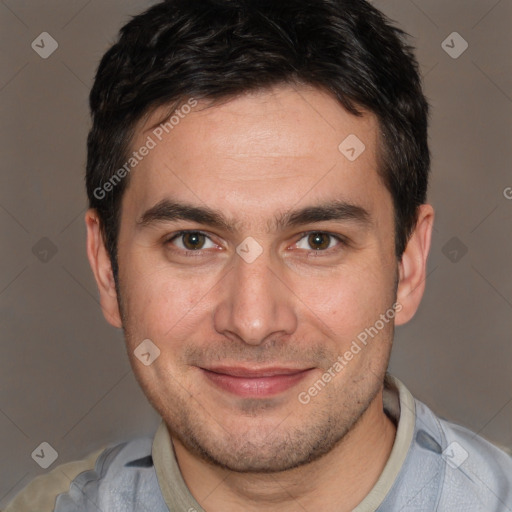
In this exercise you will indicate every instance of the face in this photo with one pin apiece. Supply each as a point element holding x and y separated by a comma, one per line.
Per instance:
<point>252,253</point>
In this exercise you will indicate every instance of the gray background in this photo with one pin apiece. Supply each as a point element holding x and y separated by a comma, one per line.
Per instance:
<point>64,374</point>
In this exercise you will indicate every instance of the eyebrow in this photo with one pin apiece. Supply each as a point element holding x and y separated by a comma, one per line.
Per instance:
<point>337,210</point>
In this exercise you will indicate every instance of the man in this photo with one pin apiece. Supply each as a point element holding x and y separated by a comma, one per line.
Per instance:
<point>257,176</point>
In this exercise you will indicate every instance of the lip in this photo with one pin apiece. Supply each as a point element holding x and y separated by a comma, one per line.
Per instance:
<point>255,382</point>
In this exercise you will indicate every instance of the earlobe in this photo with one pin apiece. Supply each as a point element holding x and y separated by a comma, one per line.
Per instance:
<point>413,265</point>
<point>102,269</point>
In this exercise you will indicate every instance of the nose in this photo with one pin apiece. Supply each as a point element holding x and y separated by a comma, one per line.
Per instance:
<point>256,304</point>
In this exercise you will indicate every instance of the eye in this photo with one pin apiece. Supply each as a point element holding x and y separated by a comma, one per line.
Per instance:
<point>319,241</point>
<point>191,241</point>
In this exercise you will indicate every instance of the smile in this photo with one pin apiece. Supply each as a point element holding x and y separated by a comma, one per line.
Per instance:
<point>255,383</point>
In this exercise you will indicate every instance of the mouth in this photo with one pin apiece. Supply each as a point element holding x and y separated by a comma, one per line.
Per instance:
<point>255,383</point>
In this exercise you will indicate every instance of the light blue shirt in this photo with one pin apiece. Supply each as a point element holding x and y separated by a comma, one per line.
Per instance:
<point>434,465</point>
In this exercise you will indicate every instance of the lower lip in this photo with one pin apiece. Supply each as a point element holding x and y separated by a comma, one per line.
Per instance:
<point>255,387</point>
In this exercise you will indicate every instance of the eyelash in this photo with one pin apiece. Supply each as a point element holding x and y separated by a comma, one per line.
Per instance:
<point>343,242</point>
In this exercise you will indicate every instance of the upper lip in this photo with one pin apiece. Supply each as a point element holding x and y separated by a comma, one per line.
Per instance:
<point>240,371</point>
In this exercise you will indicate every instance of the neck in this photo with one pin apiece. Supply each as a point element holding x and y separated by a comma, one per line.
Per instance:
<point>338,481</point>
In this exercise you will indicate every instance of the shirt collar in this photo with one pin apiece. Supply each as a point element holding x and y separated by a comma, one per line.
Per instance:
<point>399,405</point>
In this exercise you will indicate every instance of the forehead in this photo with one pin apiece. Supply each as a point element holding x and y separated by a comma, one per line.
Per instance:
<point>262,150</point>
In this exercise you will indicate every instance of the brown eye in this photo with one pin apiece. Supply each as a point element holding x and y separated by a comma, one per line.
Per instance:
<point>319,241</point>
<point>193,240</point>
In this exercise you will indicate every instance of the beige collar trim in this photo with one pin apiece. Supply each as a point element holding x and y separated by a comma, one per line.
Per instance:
<point>400,406</point>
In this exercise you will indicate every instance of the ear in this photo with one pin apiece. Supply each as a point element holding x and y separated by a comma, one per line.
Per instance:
<point>102,269</point>
<point>413,266</point>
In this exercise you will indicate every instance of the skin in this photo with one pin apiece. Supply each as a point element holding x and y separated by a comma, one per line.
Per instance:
<point>255,158</point>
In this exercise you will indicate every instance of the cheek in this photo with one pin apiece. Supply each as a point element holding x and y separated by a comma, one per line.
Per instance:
<point>362,336</point>
<point>350,297</point>
<point>158,305</point>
